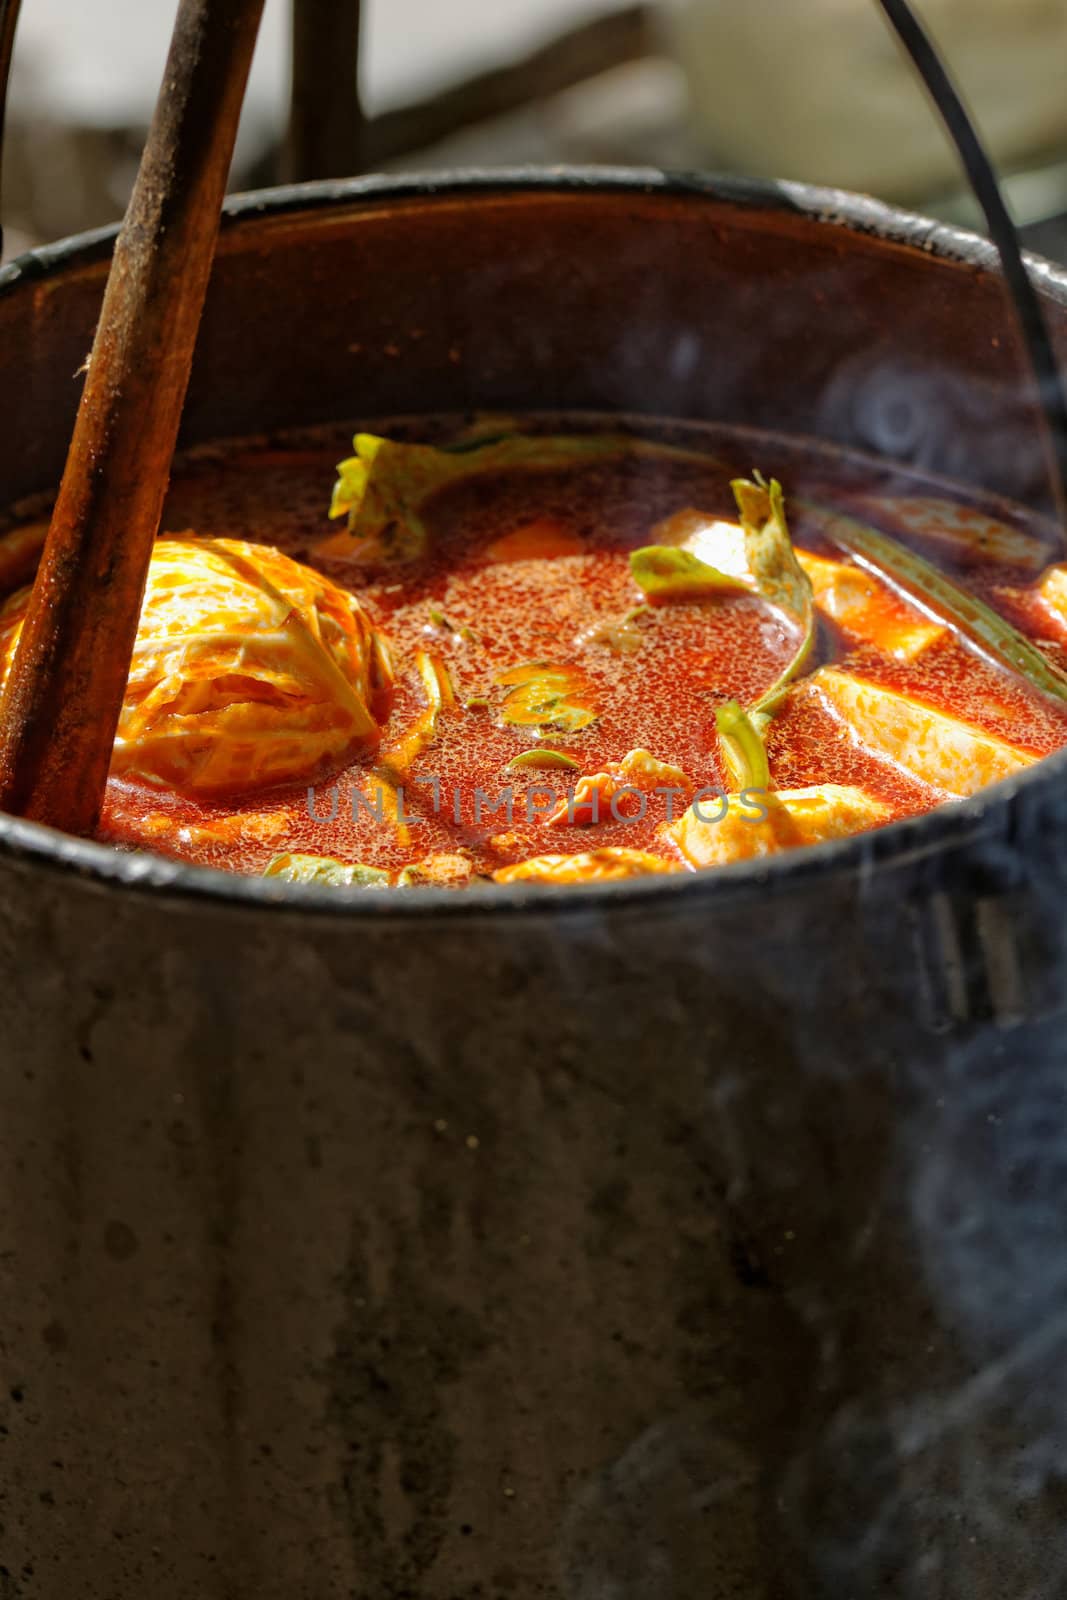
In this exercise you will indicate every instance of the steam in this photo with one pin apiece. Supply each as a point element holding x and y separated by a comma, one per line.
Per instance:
<point>678,1478</point>
<point>948,1478</point>
<point>923,1450</point>
<point>935,419</point>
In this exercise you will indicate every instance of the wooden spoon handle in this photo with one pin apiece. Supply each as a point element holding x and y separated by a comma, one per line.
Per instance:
<point>9,16</point>
<point>64,691</point>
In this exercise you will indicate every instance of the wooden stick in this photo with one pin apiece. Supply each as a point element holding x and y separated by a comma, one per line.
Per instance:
<point>326,117</point>
<point>64,692</point>
<point>9,16</point>
<point>322,144</point>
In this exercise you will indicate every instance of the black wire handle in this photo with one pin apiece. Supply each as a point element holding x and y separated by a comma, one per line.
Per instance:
<point>1052,398</point>
<point>1051,395</point>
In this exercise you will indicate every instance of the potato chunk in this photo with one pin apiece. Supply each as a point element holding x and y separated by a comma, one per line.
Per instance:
<point>865,609</point>
<point>951,756</point>
<point>1052,592</point>
<point>758,823</point>
<point>249,670</point>
<point>593,866</point>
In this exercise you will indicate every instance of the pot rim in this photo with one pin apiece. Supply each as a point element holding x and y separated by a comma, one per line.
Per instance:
<point>912,839</point>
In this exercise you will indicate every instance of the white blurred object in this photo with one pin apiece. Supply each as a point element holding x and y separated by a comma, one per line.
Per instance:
<point>819,90</point>
<point>99,61</point>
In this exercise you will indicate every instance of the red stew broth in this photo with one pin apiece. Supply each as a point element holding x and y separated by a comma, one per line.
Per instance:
<point>504,612</point>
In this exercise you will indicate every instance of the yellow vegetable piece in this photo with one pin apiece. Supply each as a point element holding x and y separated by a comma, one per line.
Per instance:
<point>741,744</point>
<point>863,607</point>
<point>777,574</point>
<point>295,867</point>
<point>592,866</point>
<point>670,572</point>
<point>1052,592</point>
<point>543,761</point>
<point>545,694</point>
<point>645,771</point>
<point>171,829</point>
<point>622,634</point>
<point>396,758</point>
<point>950,755</point>
<point>446,870</point>
<point>713,832</point>
<point>542,540</point>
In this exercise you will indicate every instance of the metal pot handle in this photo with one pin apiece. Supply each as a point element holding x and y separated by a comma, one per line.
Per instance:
<point>1050,395</point>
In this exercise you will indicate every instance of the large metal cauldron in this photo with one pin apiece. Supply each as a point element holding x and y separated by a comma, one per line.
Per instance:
<point>667,1241</point>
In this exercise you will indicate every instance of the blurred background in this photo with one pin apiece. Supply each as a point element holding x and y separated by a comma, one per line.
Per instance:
<point>805,89</point>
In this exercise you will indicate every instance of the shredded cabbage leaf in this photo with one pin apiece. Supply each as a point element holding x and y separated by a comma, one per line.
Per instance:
<point>781,581</point>
<point>297,867</point>
<point>743,749</point>
<point>249,670</point>
<point>543,760</point>
<point>383,488</point>
<point>668,572</point>
<point>443,870</point>
<point>777,574</point>
<point>545,694</point>
<point>399,754</point>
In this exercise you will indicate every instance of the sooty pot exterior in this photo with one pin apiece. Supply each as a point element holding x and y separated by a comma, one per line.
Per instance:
<point>673,1241</point>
